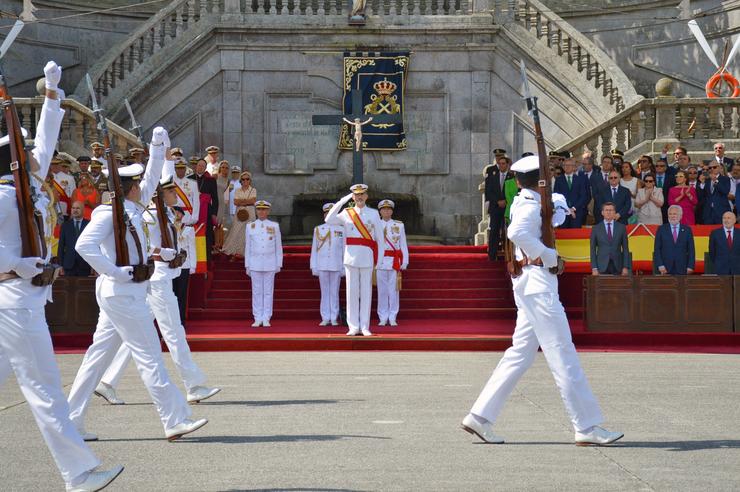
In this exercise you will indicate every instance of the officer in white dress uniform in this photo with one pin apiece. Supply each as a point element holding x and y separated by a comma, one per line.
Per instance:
<point>263,258</point>
<point>541,322</point>
<point>162,301</point>
<point>394,261</point>
<point>25,343</point>
<point>66,182</point>
<point>191,209</point>
<point>327,248</point>
<point>124,314</point>
<point>364,248</point>
<point>98,151</point>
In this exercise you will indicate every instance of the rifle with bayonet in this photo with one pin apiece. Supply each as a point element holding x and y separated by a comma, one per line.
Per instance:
<point>30,220</point>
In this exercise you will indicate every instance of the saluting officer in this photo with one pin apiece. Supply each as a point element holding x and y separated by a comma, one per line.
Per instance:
<point>327,248</point>
<point>188,199</point>
<point>263,258</point>
<point>395,260</point>
<point>364,248</point>
<point>541,322</point>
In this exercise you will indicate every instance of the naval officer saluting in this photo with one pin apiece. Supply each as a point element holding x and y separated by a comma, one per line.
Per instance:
<point>263,258</point>
<point>364,248</point>
<point>541,322</point>
<point>327,248</point>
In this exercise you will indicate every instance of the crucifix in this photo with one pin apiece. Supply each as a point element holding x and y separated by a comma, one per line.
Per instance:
<point>357,119</point>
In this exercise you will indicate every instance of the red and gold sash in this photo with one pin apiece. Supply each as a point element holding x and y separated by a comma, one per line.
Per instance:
<point>394,253</point>
<point>366,239</point>
<point>63,197</point>
<point>185,200</point>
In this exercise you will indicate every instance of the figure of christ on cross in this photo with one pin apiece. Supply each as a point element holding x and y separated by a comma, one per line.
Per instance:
<point>355,120</point>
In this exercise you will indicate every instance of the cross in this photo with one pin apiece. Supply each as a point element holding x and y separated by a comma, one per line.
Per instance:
<point>357,114</point>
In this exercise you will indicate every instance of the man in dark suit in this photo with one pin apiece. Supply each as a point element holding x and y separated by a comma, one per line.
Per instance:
<point>208,201</point>
<point>600,185</point>
<point>665,179</point>
<point>713,195</point>
<point>617,195</point>
<point>73,264</point>
<point>496,202</point>
<point>719,156</point>
<point>674,245</point>
<point>610,253</point>
<point>724,247</point>
<point>574,188</point>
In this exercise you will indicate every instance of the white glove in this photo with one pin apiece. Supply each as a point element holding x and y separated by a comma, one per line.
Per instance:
<point>315,273</point>
<point>160,136</point>
<point>122,274</point>
<point>549,258</point>
<point>53,74</point>
<point>167,254</point>
<point>27,267</point>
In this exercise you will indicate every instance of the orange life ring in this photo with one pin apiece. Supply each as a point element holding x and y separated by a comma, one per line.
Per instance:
<point>712,87</point>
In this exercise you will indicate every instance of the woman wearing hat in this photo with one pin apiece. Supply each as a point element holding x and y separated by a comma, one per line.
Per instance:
<point>244,200</point>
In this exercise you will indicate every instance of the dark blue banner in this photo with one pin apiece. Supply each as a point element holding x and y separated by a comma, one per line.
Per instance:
<point>382,79</point>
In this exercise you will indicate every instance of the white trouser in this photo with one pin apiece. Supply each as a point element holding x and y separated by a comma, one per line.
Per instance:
<point>127,319</point>
<point>359,297</point>
<point>387,294</point>
<point>263,285</point>
<point>164,305</point>
<point>329,282</point>
<point>541,321</point>
<point>26,349</point>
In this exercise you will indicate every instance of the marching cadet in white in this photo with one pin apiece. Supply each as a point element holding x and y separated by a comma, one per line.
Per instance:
<point>327,248</point>
<point>541,322</point>
<point>395,260</point>
<point>162,301</point>
<point>364,248</point>
<point>25,343</point>
<point>263,258</point>
<point>124,314</point>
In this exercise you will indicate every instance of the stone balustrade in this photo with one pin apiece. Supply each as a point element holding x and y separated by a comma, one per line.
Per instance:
<point>79,128</point>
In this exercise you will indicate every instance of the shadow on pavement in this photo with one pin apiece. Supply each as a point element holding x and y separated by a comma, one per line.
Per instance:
<point>667,445</point>
<point>298,489</point>
<point>253,439</point>
<point>274,403</point>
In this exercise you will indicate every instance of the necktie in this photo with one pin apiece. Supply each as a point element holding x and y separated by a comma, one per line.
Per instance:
<point>729,239</point>
<point>614,193</point>
<point>606,178</point>
<point>570,181</point>
<point>660,181</point>
<point>609,230</point>
<point>675,233</point>
<point>77,226</point>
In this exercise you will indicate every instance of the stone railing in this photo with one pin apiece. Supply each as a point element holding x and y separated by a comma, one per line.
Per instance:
<point>79,128</point>
<point>181,16</point>
<point>645,127</point>
<point>571,46</point>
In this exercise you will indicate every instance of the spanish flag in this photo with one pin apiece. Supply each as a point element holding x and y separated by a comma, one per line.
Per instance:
<point>201,258</point>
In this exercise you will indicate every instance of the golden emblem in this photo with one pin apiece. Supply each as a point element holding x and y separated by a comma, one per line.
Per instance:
<point>384,102</point>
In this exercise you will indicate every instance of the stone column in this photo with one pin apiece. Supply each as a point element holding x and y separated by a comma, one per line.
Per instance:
<point>232,64</point>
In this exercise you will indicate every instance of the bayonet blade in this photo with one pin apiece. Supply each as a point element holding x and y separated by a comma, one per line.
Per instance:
<point>92,92</point>
<point>525,81</point>
<point>11,37</point>
<point>134,125</point>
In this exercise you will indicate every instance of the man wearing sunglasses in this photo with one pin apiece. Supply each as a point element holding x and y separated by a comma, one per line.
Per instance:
<point>720,158</point>
<point>618,195</point>
<point>713,195</point>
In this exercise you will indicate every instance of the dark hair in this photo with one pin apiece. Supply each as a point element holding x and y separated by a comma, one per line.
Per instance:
<point>127,184</point>
<point>608,204</point>
<point>528,179</point>
<point>651,175</point>
<point>608,157</point>
<point>633,173</point>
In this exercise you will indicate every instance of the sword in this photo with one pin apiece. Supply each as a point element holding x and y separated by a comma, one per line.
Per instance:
<point>135,127</point>
<point>11,37</point>
<point>527,94</point>
<point>97,110</point>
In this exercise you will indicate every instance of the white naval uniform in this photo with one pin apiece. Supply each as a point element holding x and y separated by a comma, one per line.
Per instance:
<point>327,248</point>
<point>25,342</point>
<point>68,184</point>
<point>358,261</point>
<point>387,276</point>
<point>541,322</point>
<point>124,313</point>
<point>263,258</point>
<point>190,220</point>
<point>163,303</point>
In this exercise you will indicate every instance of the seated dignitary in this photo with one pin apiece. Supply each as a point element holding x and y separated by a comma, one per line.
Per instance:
<point>25,343</point>
<point>163,303</point>
<point>395,259</point>
<point>125,316</point>
<point>71,261</point>
<point>674,245</point>
<point>327,247</point>
<point>724,247</point>
<point>364,247</point>
<point>541,322</point>
<point>263,258</point>
<point>609,247</point>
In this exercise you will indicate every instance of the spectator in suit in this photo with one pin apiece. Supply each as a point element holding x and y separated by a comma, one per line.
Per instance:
<point>677,152</point>
<point>734,176</point>
<point>645,166</point>
<point>496,199</point>
<point>609,247</point>
<point>574,188</point>
<point>724,249</point>
<point>208,202</point>
<point>714,195</point>
<point>71,261</point>
<point>720,158</point>
<point>618,196</point>
<point>649,202</point>
<point>600,184</point>
<point>674,245</point>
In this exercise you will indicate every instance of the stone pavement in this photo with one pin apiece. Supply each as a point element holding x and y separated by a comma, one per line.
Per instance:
<point>361,421</point>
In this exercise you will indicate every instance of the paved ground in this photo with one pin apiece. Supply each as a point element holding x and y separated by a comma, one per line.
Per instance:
<point>390,421</point>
